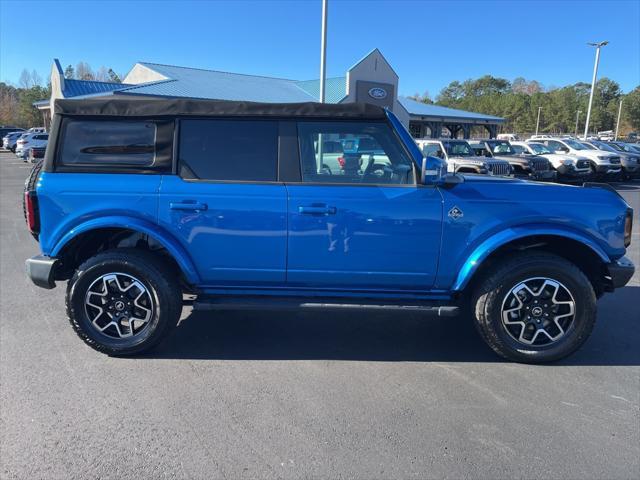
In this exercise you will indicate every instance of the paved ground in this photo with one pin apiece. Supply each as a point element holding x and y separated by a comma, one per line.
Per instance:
<point>253,395</point>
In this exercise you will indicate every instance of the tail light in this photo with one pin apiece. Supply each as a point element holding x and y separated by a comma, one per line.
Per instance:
<point>31,211</point>
<point>341,161</point>
<point>628,226</point>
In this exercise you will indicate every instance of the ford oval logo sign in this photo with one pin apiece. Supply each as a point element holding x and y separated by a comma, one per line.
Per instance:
<point>378,93</point>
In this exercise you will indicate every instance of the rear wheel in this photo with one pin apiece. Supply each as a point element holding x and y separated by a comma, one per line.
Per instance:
<point>123,301</point>
<point>535,308</point>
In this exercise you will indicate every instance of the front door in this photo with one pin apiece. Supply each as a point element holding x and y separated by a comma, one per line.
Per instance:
<point>357,220</point>
<point>225,205</point>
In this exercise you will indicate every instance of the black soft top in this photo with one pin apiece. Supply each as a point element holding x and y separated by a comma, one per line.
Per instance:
<point>160,107</point>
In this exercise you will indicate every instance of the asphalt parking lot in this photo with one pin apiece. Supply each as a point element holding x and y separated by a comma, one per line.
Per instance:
<point>306,395</point>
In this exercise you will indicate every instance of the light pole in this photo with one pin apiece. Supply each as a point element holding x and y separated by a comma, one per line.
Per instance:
<point>538,121</point>
<point>577,117</point>
<point>618,122</point>
<point>593,83</point>
<point>323,50</point>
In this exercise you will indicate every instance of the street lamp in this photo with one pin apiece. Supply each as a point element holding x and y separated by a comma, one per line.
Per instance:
<point>538,121</point>
<point>577,117</point>
<point>615,139</point>
<point>593,83</point>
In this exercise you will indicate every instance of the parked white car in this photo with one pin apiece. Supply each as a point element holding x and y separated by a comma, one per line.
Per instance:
<point>509,137</point>
<point>569,167</point>
<point>29,140</point>
<point>602,164</point>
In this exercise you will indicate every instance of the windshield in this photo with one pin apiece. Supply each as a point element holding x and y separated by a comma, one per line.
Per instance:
<point>459,149</point>
<point>588,146</point>
<point>575,145</point>
<point>539,149</point>
<point>501,147</point>
<point>617,147</point>
<point>604,146</point>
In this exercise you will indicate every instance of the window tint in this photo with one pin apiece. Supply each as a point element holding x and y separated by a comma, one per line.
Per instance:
<point>241,150</point>
<point>371,154</point>
<point>108,143</point>
<point>432,150</point>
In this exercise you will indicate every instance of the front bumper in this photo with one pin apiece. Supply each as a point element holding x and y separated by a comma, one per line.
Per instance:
<point>620,272</point>
<point>570,171</point>
<point>41,271</point>
<point>546,175</point>
<point>609,169</point>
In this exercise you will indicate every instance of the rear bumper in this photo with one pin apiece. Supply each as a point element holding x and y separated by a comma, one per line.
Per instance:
<point>620,272</point>
<point>41,271</point>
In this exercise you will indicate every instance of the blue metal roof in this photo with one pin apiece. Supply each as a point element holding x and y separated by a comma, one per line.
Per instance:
<point>335,88</point>
<point>76,88</point>
<point>429,110</point>
<point>212,84</point>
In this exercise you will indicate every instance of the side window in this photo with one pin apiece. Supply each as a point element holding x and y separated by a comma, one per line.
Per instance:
<point>432,150</point>
<point>108,143</point>
<point>518,148</point>
<point>240,150</point>
<point>370,154</point>
<point>555,146</point>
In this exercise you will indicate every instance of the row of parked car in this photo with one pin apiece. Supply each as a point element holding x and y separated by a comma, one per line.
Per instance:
<point>29,145</point>
<point>539,158</point>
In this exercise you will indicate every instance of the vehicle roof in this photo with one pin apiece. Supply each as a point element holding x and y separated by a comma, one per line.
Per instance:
<point>156,107</point>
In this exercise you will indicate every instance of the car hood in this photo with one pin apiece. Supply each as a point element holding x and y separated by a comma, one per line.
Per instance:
<point>514,158</point>
<point>594,154</point>
<point>475,159</point>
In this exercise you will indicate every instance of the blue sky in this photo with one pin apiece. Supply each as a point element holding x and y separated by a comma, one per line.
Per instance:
<point>429,43</point>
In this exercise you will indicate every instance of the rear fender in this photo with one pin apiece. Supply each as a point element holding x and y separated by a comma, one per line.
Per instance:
<point>174,248</point>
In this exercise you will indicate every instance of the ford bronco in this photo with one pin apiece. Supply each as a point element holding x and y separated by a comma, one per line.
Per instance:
<point>141,201</point>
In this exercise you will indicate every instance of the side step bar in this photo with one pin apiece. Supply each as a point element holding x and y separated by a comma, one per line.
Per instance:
<point>271,303</point>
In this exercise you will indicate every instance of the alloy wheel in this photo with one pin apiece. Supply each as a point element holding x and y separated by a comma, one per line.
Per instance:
<point>538,311</point>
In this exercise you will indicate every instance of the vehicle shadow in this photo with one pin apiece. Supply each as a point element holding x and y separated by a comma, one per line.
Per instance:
<point>633,185</point>
<point>381,336</point>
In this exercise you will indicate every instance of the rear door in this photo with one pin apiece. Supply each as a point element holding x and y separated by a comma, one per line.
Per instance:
<point>225,204</point>
<point>359,221</point>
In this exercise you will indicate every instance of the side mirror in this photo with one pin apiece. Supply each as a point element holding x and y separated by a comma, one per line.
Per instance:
<point>432,169</point>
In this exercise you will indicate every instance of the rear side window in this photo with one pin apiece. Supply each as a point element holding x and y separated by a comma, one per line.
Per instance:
<point>108,143</point>
<point>231,150</point>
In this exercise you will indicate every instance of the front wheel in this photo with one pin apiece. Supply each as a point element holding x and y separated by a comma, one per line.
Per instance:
<point>535,308</point>
<point>123,301</point>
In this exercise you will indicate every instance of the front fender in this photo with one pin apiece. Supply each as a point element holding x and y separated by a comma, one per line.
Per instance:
<point>470,265</point>
<point>161,236</point>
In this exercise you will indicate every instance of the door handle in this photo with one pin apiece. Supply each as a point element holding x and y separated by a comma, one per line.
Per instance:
<point>317,210</point>
<point>190,206</point>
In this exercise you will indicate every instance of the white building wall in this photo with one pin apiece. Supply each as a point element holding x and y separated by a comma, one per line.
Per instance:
<point>141,74</point>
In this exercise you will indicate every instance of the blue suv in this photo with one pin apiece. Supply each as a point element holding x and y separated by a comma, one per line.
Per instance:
<point>141,201</point>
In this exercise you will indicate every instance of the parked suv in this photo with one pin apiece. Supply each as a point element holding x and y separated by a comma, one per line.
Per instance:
<point>568,167</point>
<point>603,165</point>
<point>630,162</point>
<point>141,200</point>
<point>461,158</point>
<point>10,139</point>
<point>524,165</point>
<point>28,140</point>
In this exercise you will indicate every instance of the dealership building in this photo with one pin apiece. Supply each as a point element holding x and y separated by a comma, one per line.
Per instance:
<point>370,80</point>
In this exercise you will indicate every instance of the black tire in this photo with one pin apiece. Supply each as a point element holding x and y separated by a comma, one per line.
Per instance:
<point>164,292</point>
<point>493,289</point>
<point>30,186</point>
